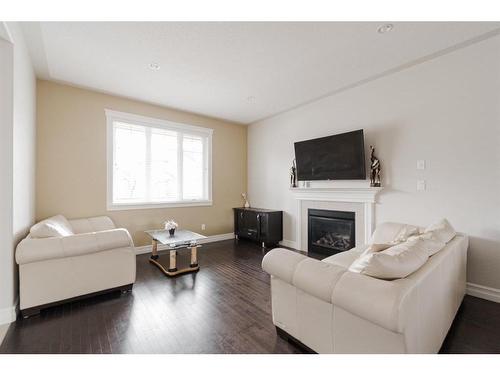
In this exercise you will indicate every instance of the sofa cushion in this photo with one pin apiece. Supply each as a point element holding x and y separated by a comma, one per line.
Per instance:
<point>345,258</point>
<point>393,233</point>
<point>441,231</point>
<point>396,262</point>
<point>376,247</point>
<point>431,244</point>
<point>55,226</point>
<point>92,224</point>
<point>376,301</point>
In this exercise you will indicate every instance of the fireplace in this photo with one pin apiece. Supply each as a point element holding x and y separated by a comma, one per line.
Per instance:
<point>330,232</point>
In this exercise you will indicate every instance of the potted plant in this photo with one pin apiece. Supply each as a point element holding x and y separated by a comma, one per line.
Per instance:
<point>171,225</point>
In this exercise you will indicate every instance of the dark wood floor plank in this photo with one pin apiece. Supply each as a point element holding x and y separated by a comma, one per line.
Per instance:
<point>224,308</point>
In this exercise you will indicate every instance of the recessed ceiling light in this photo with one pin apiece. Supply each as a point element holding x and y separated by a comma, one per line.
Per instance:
<point>382,29</point>
<point>154,66</point>
<point>251,99</point>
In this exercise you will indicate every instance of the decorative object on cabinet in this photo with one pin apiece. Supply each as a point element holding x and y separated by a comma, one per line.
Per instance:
<point>244,196</point>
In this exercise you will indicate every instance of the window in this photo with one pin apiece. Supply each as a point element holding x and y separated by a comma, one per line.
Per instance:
<point>157,163</point>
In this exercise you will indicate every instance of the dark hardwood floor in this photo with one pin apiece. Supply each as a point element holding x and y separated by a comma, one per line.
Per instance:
<point>224,308</point>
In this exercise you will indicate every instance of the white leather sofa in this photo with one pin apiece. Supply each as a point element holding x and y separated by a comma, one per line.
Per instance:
<point>92,256</point>
<point>332,310</point>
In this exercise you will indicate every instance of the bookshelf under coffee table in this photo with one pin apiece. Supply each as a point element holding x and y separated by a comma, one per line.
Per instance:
<point>182,239</point>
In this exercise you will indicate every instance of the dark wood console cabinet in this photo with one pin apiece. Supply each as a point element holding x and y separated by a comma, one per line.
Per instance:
<point>264,226</point>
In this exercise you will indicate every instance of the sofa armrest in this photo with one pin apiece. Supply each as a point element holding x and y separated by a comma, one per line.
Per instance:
<point>379,301</point>
<point>92,224</point>
<point>282,263</point>
<point>317,278</point>
<point>310,275</point>
<point>32,250</point>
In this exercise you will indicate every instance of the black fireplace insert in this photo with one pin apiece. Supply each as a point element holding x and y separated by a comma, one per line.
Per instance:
<point>330,232</point>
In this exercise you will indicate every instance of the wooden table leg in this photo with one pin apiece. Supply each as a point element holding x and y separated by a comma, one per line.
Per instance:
<point>173,261</point>
<point>154,250</point>
<point>194,258</point>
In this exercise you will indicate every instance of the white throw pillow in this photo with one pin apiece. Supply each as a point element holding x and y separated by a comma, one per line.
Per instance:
<point>55,226</point>
<point>393,233</point>
<point>441,231</point>
<point>376,247</point>
<point>431,243</point>
<point>394,263</point>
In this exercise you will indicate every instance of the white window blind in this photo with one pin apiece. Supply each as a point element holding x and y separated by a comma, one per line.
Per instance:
<point>153,163</point>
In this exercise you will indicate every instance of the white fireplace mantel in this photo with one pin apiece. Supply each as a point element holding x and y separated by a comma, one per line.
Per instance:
<point>339,194</point>
<point>323,197</point>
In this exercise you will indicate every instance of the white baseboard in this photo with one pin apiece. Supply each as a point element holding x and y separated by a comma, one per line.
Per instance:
<point>9,314</point>
<point>218,237</point>
<point>289,243</point>
<point>484,292</point>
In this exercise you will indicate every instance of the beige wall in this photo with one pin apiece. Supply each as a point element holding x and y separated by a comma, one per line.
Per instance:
<point>445,111</point>
<point>71,162</point>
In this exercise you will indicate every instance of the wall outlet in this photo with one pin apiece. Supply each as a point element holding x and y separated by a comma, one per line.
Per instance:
<point>421,164</point>
<point>420,185</point>
<point>203,227</point>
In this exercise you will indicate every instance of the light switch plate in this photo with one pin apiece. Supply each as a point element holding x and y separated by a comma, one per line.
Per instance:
<point>421,164</point>
<point>420,185</point>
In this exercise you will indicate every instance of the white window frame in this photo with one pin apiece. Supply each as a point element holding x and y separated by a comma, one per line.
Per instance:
<point>112,116</point>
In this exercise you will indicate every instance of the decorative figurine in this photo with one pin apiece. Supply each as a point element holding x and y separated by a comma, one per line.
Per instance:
<point>374,169</point>
<point>293,175</point>
<point>244,195</point>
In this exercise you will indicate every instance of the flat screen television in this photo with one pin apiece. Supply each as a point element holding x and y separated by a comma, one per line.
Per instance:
<point>336,157</point>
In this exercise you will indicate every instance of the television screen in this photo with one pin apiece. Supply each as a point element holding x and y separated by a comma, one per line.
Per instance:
<point>337,157</point>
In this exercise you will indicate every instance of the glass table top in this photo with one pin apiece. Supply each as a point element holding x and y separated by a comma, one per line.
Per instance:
<point>180,238</point>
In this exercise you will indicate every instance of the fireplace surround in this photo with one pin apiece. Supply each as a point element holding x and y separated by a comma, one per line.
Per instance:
<point>330,231</point>
<point>356,197</point>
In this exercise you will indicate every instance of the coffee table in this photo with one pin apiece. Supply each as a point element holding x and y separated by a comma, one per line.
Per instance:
<point>182,239</point>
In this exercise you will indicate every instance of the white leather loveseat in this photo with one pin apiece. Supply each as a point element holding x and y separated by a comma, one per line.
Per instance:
<point>60,260</point>
<point>330,309</point>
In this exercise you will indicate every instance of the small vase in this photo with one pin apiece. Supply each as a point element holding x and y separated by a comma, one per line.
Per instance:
<point>247,205</point>
<point>172,232</point>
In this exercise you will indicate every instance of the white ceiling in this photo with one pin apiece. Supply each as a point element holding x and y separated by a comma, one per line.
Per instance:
<point>240,72</point>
